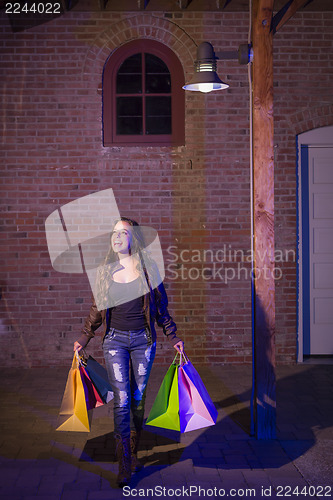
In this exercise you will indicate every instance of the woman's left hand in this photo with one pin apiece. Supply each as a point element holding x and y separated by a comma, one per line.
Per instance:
<point>179,346</point>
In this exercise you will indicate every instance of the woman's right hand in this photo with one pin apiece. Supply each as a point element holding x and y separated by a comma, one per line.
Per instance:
<point>77,346</point>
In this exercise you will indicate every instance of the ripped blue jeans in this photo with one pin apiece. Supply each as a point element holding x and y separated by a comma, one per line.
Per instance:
<point>128,357</point>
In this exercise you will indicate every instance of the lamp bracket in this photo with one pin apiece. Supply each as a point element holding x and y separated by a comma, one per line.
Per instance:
<point>244,54</point>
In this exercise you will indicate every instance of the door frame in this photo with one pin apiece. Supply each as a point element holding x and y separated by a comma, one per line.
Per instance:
<point>319,137</point>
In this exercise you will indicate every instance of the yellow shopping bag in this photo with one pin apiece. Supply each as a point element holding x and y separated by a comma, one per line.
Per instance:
<point>73,411</point>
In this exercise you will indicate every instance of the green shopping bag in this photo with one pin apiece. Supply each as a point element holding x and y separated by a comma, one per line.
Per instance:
<point>165,409</point>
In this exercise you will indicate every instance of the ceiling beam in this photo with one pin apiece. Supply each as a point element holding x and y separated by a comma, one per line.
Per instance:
<point>290,8</point>
<point>103,4</point>
<point>142,4</point>
<point>183,4</point>
<point>68,4</point>
<point>221,4</point>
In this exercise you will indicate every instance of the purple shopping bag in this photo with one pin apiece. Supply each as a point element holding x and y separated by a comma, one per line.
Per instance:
<point>196,409</point>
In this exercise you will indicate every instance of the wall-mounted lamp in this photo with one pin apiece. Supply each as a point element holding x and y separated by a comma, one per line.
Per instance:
<point>205,78</point>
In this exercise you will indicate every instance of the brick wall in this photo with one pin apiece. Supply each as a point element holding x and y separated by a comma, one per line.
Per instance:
<point>196,196</point>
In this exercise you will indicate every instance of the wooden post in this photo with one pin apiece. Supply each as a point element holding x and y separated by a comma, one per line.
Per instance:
<point>263,200</point>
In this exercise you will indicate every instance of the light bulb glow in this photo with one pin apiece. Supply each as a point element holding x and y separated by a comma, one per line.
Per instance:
<point>205,87</point>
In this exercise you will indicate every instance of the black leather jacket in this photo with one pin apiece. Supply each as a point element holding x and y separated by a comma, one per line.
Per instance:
<point>156,310</point>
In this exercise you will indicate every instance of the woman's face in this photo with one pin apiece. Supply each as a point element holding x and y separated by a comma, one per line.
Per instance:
<point>121,237</point>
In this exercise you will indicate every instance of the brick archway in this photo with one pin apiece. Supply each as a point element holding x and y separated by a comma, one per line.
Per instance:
<point>311,118</point>
<point>131,28</point>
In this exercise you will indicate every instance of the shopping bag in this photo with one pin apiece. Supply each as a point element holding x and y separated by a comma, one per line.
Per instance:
<point>73,411</point>
<point>93,398</point>
<point>196,409</point>
<point>99,377</point>
<point>164,412</point>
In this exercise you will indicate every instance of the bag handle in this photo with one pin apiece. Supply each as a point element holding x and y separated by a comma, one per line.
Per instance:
<point>174,362</point>
<point>81,359</point>
<point>183,359</point>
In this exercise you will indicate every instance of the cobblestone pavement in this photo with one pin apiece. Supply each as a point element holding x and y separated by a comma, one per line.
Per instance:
<point>38,462</point>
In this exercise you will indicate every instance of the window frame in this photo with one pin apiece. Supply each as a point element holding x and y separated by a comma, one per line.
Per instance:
<point>111,67</point>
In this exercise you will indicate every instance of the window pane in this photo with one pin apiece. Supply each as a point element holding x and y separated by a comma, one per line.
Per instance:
<point>158,84</point>
<point>132,64</point>
<point>129,126</point>
<point>129,84</point>
<point>129,106</point>
<point>158,126</point>
<point>129,76</point>
<point>158,79</point>
<point>155,64</point>
<point>129,115</point>
<point>158,115</point>
<point>158,106</point>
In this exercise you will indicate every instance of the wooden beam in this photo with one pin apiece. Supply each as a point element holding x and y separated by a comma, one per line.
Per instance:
<point>290,8</point>
<point>221,4</point>
<point>142,4</point>
<point>183,4</point>
<point>263,208</point>
<point>64,5</point>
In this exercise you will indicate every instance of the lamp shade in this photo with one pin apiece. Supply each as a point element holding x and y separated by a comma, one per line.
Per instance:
<point>205,78</point>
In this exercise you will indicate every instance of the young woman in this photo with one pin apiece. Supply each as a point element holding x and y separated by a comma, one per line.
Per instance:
<point>129,344</point>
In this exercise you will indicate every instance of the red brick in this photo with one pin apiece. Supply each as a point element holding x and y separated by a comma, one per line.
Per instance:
<point>197,194</point>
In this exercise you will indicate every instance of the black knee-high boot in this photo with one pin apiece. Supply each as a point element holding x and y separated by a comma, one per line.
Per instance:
<point>123,451</point>
<point>135,464</point>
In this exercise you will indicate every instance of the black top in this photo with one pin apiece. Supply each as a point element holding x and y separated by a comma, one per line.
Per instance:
<point>128,313</point>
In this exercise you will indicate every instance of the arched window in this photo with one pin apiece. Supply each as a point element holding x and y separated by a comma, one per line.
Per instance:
<point>143,99</point>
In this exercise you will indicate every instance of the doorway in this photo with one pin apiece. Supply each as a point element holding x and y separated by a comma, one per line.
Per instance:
<point>315,243</point>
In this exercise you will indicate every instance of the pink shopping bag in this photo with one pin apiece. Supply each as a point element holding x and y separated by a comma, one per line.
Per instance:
<point>196,409</point>
<point>93,399</point>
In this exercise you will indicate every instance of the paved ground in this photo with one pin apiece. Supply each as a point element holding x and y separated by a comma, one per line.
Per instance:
<point>38,462</point>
